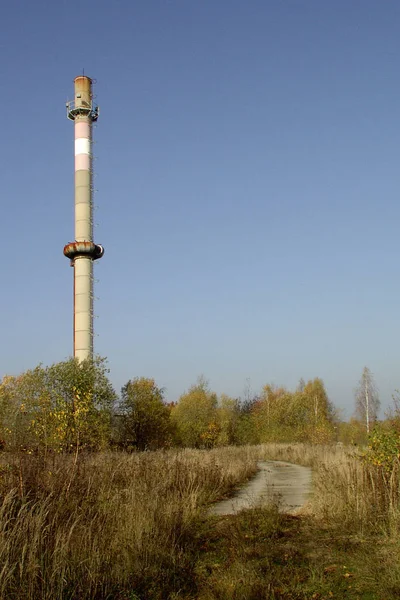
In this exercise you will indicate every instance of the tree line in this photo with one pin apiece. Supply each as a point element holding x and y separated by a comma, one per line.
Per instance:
<point>71,406</point>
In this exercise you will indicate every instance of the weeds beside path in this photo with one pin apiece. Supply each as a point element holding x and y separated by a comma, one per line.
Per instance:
<point>137,527</point>
<point>261,554</point>
<point>344,546</point>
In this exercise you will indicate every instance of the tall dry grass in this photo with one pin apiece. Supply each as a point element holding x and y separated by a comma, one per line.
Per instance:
<point>116,526</point>
<point>123,526</point>
<point>346,491</point>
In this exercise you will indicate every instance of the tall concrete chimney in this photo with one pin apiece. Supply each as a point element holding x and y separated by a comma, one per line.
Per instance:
<point>83,251</point>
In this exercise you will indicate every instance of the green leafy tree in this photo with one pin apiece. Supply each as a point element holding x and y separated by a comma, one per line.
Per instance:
<point>84,391</point>
<point>228,413</point>
<point>62,407</point>
<point>145,416</point>
<point>22,399</point>
<point>383,450</point>
<point>195,417</point>
<point>351,432</point>
<point>246,430</point>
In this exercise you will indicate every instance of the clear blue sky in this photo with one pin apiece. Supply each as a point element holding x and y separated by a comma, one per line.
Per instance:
<point>248,189</point>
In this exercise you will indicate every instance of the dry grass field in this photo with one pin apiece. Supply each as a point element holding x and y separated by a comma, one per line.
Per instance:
<point>135,527</point>
<point>116,526</point>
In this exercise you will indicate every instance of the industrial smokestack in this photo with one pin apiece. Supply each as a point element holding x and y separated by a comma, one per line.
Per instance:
<point>83,251</point>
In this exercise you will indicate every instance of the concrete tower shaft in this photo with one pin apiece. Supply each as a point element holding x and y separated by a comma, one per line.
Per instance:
<point>83,251</point>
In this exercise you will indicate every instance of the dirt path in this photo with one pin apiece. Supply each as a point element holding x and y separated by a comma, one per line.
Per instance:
<point>276,481</point>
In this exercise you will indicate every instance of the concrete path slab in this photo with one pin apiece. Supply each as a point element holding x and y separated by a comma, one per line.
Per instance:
<point>279,482</point>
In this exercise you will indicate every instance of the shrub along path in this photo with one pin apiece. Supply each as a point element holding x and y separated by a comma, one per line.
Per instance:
<point>263,552</point>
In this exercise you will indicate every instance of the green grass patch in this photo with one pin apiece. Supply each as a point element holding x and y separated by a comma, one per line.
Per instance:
<point>260,554</point>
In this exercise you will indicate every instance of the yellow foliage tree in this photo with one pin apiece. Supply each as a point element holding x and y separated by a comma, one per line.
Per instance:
<point>195,416</point>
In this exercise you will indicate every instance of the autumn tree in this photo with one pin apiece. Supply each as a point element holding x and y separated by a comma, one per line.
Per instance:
<point>351,432</point>
<point>65,406</point>
<point>22,401</point>
<point>303,415</point>
<point>246,432</point>
<point>88,397</point>
<point>322,414</point>
<point>195,417</point>
<point>145,416</point>
<point>228,413</point>
<point>271,414</point>
<point>367,401</point>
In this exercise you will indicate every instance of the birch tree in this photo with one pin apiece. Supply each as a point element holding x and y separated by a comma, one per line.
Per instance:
<point>367,401</point>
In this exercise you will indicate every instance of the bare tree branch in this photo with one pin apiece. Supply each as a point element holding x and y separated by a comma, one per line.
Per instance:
<point>367,401</point>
